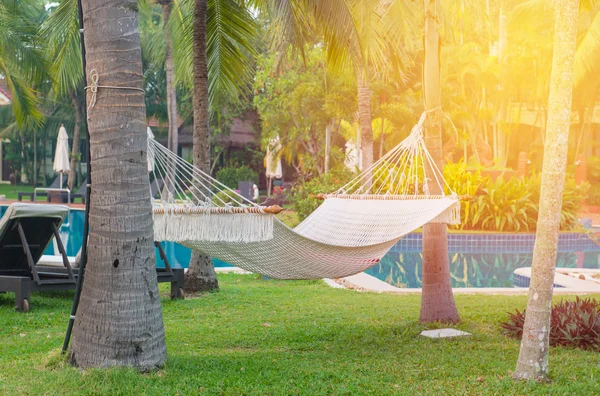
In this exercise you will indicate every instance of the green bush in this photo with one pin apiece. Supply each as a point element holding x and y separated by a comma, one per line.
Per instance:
<point>593,170</point>
<point>304,194</point>
<point>225,197</point>
<point>464,182</point>
<point>573,197</point>
<point>505,207</point>
<point>511,205</point>
<point>230,176</point>
<point>593,197</point>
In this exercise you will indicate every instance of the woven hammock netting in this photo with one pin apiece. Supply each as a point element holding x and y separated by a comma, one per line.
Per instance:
<point>348,233</point>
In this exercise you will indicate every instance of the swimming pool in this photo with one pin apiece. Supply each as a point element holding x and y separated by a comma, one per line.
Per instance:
<point>71,234</point>
<point>481,260</point>
<point>476,260</point>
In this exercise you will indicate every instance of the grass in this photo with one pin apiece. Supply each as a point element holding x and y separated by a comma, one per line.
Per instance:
<point>295,337</point>
<point>11,191</point>
<point>289,218</point>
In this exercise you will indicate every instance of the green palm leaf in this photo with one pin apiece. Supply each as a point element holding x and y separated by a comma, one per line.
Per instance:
<point>60,32</point>
<point>21,63</point>
<point>587,57</point>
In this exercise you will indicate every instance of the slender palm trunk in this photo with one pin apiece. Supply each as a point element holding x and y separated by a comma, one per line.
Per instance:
<point>366,129</point>
<point>119,320</point>
<point>533,356</point>
<point>201,273</point>
<point>75,148</point>
<point>382,137</point>
<point>173,142</point>
<point>328,130</point>
<point>35,169</point>
<point>437,302</point>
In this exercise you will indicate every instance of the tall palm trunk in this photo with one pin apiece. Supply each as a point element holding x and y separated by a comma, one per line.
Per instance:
<point>35,169</point>
<point>201,272</point>
<point>75,148</point>
<point>366,129</point>
<point>437,301</point>
<point>533,356</point>
<point>119,320</point>
<point>173,140</point>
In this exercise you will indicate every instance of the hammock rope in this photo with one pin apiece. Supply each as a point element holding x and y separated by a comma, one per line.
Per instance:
<point>349,232</point>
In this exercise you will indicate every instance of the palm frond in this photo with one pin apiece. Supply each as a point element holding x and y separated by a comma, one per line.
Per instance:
<point>21,62</point>
<point>587,57</point>
<point>231,31</point>
<point>60,32</point>
<point>24,100</point>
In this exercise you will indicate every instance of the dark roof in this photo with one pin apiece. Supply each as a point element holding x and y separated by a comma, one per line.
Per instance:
<point>242,133</point>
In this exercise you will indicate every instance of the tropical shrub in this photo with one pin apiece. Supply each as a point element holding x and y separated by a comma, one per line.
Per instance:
<point>505,207</point>
<point>593,170</point>
<point>573,197</point>
<point>225,197</point>
<point>593,197</point>
<point>508,205</point>
<point>573,324</point>
<point>230,175</point>
<point>305,194</point>
<point>464,182</point>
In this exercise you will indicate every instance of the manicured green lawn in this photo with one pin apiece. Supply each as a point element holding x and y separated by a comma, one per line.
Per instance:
<point>11,191</point>
<point>279,338</point>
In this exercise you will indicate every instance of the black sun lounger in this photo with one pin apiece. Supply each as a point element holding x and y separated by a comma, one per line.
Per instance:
<point>25,232</point>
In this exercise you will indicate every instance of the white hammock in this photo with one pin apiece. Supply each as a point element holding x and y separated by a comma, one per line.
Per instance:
<point>349,233</point>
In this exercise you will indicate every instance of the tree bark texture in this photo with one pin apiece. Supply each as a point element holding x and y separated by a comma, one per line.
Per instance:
<point>201,273</point>
<point>366,129</point>
<point>75,148</point>
<point>437,301</point>
<point>119,321</point>
<point>173,139</point>
<point>533,355</point>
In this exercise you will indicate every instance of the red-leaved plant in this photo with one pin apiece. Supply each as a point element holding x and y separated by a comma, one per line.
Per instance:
<point>573,323</point>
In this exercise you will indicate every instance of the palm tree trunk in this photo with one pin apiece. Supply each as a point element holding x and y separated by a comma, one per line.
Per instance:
<point>437,302</point>
<point>328,130</point>
<point>533,356</point>
<point>119,320</point>
<point>201,272</point>
<point>382,137</point>
<point>173,142</point>
<point>35,169</point>
<point>366,129</point>
<point>75,148</point>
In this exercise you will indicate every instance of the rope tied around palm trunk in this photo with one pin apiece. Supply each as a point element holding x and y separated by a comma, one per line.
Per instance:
<point>93,87</point>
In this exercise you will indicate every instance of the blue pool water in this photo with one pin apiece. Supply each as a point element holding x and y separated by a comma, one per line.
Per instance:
<point>71,234</point>
<point>476,260</point>
<point>481,260</point>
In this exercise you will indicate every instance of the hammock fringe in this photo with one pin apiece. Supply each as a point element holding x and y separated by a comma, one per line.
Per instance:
<point>244,228</point>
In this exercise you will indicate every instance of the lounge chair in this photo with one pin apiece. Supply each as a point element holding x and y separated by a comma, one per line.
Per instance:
<point>49,264</point>
<point>55,184</point>
<point>25,232</point>
<point>81,192</point>
<point>155,187</point>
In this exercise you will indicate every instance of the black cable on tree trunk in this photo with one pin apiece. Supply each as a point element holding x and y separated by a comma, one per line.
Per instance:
<point>86,224</point>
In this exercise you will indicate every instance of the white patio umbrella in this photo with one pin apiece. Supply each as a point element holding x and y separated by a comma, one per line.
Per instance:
<point>61,157</point>
<point>273,159</point>
<point>273,166</point>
